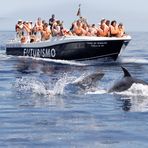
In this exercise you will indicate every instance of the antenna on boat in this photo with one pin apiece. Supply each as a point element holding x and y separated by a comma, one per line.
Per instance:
<point>79,11</point>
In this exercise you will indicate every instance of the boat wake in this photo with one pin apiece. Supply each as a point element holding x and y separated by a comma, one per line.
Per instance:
<point>55,61</point>
<point>133,60</point>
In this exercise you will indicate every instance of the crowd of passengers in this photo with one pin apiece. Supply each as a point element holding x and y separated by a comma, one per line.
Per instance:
<point>27,32</point>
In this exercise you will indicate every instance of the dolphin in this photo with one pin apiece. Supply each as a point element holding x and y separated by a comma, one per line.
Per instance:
<point>89,81</point>
<point>85,83</point>
<point>126,82</point>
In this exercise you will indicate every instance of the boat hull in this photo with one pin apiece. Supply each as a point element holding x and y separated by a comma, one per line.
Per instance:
<point>81,49</point>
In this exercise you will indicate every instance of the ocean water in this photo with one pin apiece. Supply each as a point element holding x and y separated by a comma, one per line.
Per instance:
<point>37,111</point>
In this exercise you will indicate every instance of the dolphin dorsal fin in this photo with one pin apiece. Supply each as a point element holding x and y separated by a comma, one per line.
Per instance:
<point>126,73</point>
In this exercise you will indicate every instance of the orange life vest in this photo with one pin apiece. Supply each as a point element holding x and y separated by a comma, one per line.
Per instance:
<point>78,31</point>
<point>113,30</point>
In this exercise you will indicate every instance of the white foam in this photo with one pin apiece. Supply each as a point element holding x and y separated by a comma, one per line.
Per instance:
<point>100,91</point>
<point>61,83</point>
<point>136,90</point>
<point>56,61</point>
<point>134,60</point>
<point>35,86</point>
<point>32,85</point>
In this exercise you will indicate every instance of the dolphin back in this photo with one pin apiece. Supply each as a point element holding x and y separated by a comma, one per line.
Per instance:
<point>126,82</point>
<point>89,80</point>
<point>122,85</point>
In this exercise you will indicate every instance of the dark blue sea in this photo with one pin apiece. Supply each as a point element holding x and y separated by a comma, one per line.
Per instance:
<point>37,111</point>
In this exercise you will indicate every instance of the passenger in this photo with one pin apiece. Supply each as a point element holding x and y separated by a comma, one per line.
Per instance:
<point>30,25</point>
<point>113,29</point>
<point>92,30</point>
<point>56,28</point>
<point>19,29</point>
<point>43,22</point>
<point>46,33</point>
<point>26,31</point>
<point>107,23</point>
<point>121,30</point>
<point>51,21</point>
<point>103,29</point>
<point>84,30</point>
<point>78,28</point>
<point>39,25</point>
<point>27,27</point>
<point>108,27</point>
<point>38,29</point>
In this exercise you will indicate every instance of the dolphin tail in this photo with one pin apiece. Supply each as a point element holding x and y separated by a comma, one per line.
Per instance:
<point>126,73</point>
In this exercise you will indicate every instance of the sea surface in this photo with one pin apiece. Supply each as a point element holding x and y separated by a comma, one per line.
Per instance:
<point>37,111</point>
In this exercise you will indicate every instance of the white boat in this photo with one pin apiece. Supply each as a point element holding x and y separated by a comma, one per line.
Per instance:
<point>71,47</point>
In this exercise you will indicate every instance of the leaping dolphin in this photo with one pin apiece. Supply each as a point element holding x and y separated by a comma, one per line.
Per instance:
<point>126,82</point>
<point>85,83</point>
<point>89,81</point>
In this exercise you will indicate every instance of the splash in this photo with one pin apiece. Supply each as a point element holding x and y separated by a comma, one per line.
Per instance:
<point>35,86</point>
<point>98,91</point>
<point>136,90</point>
<point>61,83</point>
<point>30,85</point>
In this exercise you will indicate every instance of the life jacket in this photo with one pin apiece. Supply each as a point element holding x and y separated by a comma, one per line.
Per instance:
<point>78,31</point>
<point>27,29</point>
<point>20,27</point>
<point>39,27</point>
<point>46,34</point>
<point>113,31</point>
<point>121,32</point>
<point>103,30</point>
